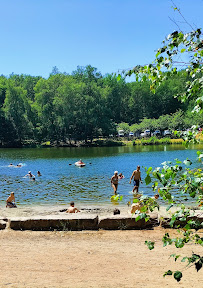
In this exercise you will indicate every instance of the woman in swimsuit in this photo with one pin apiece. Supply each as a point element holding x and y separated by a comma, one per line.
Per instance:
<point>114,182</point>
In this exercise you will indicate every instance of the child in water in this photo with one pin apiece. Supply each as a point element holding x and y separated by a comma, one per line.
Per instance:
<point>120,176</point>
<point>72,208</point>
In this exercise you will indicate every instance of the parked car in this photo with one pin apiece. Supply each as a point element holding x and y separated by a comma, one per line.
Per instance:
<point>131,134</point>
<point>157,133</point>
<point>146,133</point>
<point>167,133</point>
<point>120,133</point>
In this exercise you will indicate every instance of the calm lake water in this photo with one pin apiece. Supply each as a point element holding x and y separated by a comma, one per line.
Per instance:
<point>60,182</point>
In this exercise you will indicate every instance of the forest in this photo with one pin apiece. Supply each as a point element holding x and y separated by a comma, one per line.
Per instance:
<point>86,105</point>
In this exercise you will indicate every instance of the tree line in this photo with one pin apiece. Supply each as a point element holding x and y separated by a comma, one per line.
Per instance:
<point>82,105</point>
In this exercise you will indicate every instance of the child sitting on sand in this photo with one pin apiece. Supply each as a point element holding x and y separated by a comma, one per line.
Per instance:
<point>10,202</point>
<point>72,209</point>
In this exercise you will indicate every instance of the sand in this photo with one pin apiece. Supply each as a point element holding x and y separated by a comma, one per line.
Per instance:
<point>91,259</point>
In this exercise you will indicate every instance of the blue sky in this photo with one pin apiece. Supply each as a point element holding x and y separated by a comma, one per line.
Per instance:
<point>37,35</point>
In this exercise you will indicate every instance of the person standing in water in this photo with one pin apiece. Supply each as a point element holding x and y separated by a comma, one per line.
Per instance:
<point>114,182</point>
<point>136,176</point>
<point>30,175</point>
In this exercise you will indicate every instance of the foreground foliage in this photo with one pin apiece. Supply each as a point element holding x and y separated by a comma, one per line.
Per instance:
<point>176,182</point>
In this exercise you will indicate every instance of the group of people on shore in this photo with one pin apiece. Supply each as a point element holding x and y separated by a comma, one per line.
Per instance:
<point>136,176</point>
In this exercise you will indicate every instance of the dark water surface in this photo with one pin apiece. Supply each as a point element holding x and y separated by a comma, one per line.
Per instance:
<point>60,182</point>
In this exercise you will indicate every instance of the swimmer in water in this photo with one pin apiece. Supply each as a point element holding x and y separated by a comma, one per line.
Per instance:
<point>10,202</point>
<point>120,176</point>
<point>38,173</point>
<point>30,175</point>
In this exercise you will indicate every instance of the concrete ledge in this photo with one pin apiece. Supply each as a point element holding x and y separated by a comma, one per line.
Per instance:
<point>126,223</point>
<point>179,223</point>
<point>2,224</point>
<point>61,224</point>
<point>78,222</point>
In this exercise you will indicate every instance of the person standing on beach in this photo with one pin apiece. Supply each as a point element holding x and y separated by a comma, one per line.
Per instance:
<point>10,202</point>
<point>136,176</point>
<point>114,182</point>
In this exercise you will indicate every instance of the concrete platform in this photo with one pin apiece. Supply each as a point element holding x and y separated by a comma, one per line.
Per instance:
<point>2,224</point>
<point>71,223</point>
<point>80,221</point>
<point>126,223</point>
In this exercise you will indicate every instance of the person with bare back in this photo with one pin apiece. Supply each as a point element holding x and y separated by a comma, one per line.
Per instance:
<point>72,208</point>
<point>136,176</point>
<point>10,202</point>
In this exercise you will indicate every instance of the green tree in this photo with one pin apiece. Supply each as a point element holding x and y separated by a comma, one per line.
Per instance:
<point>14,109</point>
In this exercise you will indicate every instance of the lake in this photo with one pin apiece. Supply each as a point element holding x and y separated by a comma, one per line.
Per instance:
<point>61,183</point>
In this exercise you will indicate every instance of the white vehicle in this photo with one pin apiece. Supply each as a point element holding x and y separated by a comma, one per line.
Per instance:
<point>146,133</point>
<point>167,133</point>
<point>120,133</point>
<point>157,133</point>
<point>131,134</point>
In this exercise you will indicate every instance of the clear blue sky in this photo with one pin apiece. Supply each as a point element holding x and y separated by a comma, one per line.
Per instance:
<point>107,34</point>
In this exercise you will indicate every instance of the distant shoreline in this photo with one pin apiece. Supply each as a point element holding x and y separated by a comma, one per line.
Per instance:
<point>98,143</point>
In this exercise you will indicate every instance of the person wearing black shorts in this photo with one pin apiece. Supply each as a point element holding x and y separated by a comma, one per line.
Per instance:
<point>136,176</point>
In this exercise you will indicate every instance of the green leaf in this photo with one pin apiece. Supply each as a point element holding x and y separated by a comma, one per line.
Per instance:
<point>148,180</point>
<point>150,244</point>
<point>169,207</point>
<point>119,77</point>
<point>177,275</point>
<point>182,50</point>
<point>169,272</point>
<point>179,243</point>
<point>198,265</point>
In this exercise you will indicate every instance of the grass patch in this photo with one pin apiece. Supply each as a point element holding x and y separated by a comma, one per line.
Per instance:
<point>156,141</point>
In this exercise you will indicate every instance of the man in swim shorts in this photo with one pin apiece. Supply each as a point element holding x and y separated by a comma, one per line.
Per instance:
<point>114,182</point>
<point>136,176</point>
<point>10,202</point>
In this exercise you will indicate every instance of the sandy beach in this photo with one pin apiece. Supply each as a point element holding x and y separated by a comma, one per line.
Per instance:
<point>91,259</point>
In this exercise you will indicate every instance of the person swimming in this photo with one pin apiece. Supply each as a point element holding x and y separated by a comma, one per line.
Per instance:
<point>30,175</point>
<point>121,176</point>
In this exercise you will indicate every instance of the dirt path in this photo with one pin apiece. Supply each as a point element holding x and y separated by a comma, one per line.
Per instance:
<point>90,259</point>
